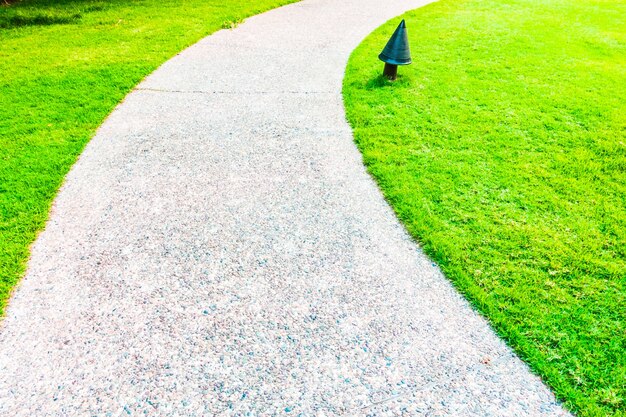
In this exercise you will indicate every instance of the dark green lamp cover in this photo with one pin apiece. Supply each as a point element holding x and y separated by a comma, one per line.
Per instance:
<point>397,50</point>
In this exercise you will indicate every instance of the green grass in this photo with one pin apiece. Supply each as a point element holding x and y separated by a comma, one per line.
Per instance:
<point>503,151</point>
<point>65,65</point>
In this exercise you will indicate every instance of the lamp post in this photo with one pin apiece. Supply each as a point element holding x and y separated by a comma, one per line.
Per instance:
<point>396,52</point>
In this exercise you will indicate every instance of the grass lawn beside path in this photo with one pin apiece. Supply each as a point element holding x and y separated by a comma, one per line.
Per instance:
<point>503,151</point>
<point>65,65</point>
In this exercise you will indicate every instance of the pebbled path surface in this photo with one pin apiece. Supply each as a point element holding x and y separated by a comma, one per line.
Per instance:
<point>219,249</point>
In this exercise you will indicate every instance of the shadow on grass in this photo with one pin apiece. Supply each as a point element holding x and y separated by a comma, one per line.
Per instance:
<point>21,19</point>
<point>44,12</point>
<point>379,81</point>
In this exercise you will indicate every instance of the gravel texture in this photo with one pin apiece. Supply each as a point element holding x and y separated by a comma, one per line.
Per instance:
<point>219,249</point>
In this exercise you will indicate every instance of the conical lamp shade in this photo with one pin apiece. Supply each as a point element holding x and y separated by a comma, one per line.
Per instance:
<point>397,50</point>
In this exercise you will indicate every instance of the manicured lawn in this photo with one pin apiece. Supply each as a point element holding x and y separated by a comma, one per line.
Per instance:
<point>65,64</point>
<point>503,151</point>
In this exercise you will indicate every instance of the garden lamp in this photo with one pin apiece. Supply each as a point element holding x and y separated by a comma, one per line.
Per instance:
<point>396,52</point>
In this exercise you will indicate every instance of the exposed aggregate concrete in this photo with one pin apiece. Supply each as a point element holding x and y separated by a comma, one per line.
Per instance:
<point>219,249</point>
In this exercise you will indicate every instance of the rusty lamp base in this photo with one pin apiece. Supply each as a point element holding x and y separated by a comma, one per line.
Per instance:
<point>390,72</point>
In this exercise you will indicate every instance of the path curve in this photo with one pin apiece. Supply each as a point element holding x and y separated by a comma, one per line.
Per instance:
<point>219,249</point>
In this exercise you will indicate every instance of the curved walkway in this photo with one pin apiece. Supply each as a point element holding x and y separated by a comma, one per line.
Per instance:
<point>220,250</point>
